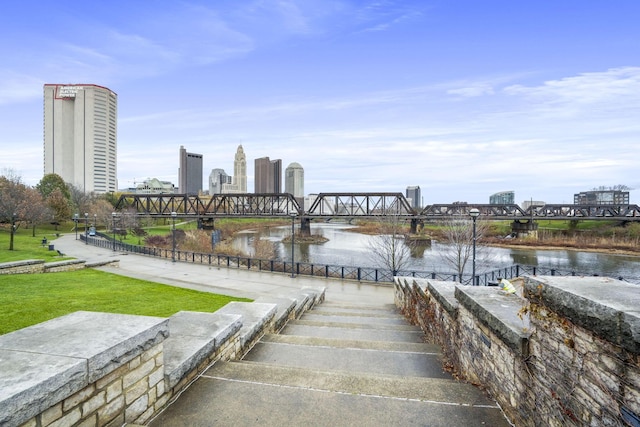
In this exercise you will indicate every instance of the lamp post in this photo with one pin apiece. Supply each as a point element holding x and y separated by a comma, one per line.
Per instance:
<point>113,227</point>
<point>95,220</point>
<point>75,219</point>
<point>474,213</point>
<point>293,235</point>
<point>173,235</point>
<point>13,230</point>
<point>86,226</point>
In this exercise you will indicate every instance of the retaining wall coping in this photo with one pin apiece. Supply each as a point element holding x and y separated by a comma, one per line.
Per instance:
<point>194,336</point>
<point>45,363</point>
<point>102,263</point>
<point>255,317</point>
<point>608,307</point>
<point>20,263</point>
<point>445,293</point>
<point>500,312</point>
<point>63,263</point>
<point>285,309</point>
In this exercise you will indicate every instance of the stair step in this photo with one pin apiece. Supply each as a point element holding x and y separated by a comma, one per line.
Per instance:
<point>353,324</point>
<point>356,311</point>
<point>420,388</point>
<point>362,344</point>
<point>353,318</point>
<point>385,362</point>
<point>320,399</point>
<point>349,332</point>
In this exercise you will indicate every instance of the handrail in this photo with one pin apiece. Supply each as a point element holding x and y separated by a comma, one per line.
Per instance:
<point>370,274</point>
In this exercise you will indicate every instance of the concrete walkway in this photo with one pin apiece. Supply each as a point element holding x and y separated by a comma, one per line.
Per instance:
<point>352,361</point>
<point>226,281</point>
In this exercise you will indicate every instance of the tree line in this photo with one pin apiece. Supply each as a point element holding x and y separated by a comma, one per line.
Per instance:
<point>50,201</point>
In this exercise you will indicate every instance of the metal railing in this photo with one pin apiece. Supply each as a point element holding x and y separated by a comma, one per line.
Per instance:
<point>370,274</point>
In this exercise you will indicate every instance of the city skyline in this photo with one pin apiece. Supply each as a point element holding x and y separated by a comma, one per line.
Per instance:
<point>464,99</point>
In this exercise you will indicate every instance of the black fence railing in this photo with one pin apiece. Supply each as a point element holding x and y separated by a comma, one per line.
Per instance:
<point>370,274</point>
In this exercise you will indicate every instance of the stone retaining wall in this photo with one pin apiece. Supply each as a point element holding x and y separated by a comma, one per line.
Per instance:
<point>36,266</point>
<point>27,266</point>
<point>563,351</point>
<point>99,369</point>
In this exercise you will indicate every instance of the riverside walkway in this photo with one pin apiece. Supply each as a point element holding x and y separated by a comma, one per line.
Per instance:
<point>351,361</point>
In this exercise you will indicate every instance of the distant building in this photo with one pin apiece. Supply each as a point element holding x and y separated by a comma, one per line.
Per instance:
<point>190,172</point>
<point>218,178</point>
<point>525,205</point>
<point>238,182</point>
<point>601,197</point>
<point>268,175</point>
<point>414,196</point>
<point>502,198</point>
<point>294,180</point>
<point>80,135</point>
<point>155,186</point>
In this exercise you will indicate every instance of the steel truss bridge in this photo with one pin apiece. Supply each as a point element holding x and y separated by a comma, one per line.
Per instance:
<point>353,205</point>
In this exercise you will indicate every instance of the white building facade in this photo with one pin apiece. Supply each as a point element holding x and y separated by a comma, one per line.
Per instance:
<point>294,180</point>
<point>80,135</point>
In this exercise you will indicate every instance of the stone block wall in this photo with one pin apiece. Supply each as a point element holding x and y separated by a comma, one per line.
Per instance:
<point>562,352</point>
<point>28,266</point>
<point>129,394</point>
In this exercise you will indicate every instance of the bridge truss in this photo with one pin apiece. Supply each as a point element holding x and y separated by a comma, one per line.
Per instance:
<point>353,205</point>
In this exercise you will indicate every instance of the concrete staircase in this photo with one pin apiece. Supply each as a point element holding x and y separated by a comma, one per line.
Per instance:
<point>338,365</point>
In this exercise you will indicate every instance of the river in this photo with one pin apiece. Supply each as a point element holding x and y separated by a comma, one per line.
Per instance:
<point>352,249</point>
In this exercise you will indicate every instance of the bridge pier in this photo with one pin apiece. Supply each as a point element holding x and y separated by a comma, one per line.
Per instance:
<point>305,227</point>
<point>414,225</point>
<point>524,228</point>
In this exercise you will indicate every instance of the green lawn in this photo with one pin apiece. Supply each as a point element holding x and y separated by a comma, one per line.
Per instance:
<point>27,299</point>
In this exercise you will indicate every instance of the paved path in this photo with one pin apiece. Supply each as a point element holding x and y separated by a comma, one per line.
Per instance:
<point>226,281</point>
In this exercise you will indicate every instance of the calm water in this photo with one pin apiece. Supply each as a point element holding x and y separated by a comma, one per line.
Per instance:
<point>351,249</point>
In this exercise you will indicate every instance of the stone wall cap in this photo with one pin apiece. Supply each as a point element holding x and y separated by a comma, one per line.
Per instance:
<point>194,336</point>
<point>444,293</point>
<point>500,312</point>
<point>13,264</point>
<point>45,363</point>
<point>254,317</point>
<point>105,340</point>
<point>605,306</point>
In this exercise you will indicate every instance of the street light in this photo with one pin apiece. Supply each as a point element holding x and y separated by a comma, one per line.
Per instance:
<point>95,219</point>
<point>293,235</point>
<point>113,216</point>
<point>86,225</point>
<point>474,213</point>
<point>173,234</point>
<point>75,219</point>
<point>13,230</point>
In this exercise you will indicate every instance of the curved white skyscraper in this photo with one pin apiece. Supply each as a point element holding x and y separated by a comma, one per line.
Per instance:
<point>294,180</point>
<point>80,135</point>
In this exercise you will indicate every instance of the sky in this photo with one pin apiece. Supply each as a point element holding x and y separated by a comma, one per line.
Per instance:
<point>462,98</point>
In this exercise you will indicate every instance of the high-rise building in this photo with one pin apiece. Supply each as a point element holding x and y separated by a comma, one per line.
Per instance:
<point>80,135</point>
<point>414,196</point>
<point>502,198</point>
<point>238,183</point>
<point>294,180</point>
<point>190,172</point>
<point>268,175</point>
<point>601,197</point>
<point>218,178</point>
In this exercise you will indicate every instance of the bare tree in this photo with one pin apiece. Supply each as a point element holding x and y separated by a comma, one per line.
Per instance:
<point>33,209</point>
<point>389,247</point>
<point>458,238</point>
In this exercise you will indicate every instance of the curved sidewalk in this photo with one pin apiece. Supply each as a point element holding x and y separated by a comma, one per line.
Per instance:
<point>227,281</point>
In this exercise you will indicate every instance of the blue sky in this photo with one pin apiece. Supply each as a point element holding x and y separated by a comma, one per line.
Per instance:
<point>463,98</point>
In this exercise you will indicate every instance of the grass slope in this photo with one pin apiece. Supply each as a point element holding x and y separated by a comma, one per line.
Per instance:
<point>28,299</point>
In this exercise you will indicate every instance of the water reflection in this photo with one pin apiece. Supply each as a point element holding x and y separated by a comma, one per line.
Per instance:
<point>351,249</point>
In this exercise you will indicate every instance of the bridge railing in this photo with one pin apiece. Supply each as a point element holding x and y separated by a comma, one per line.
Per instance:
<point>371,274</point>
